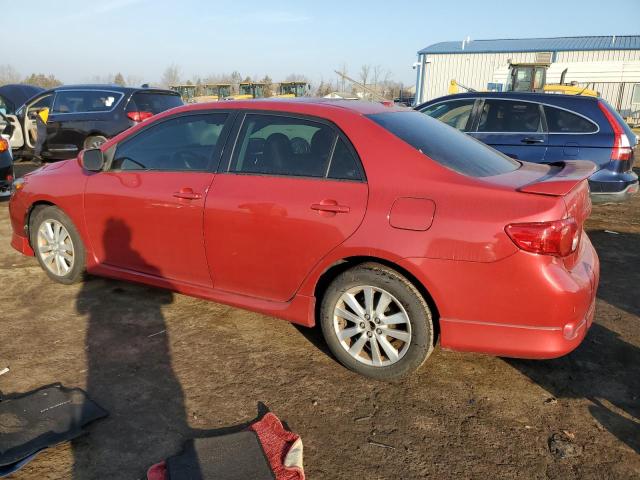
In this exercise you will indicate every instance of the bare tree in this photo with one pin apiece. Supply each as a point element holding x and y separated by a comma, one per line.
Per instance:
<point>268,86</point>
<point>42,80</point>
<point>341,80</point>
<point>119,79</point>
<point>8,74</point>
<point>171,76</point>
<point>365,70</point>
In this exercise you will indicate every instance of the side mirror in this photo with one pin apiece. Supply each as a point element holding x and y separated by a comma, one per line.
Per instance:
<point>93,160</point>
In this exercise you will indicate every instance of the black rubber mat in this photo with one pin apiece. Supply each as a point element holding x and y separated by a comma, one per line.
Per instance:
<point>235,456</point>
<point>44,417</point>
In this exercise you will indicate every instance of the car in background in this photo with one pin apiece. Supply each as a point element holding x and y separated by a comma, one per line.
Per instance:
<point>83,116</point>
<point>6,168</point>
<point>549,128</point>
<point>377,222</point>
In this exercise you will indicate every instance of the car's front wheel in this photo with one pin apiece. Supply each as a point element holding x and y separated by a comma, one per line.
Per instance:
<point>57,245</point>
<point>376,322</point>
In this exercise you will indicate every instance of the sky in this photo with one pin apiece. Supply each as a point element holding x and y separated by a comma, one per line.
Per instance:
<point>80,40</point>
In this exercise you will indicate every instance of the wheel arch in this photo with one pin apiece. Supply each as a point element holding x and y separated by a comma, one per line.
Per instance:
<point>346,263</point>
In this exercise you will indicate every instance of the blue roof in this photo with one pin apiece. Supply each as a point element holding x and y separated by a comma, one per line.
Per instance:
<point>610,42</point>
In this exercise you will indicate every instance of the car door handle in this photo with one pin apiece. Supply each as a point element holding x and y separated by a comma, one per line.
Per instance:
<point>532,140</point>
<point>187,194</point>
<point>330,206</point>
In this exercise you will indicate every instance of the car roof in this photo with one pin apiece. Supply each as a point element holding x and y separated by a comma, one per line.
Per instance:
<point>297,104</point>
<point>111,87</point>
<point>531,96</point>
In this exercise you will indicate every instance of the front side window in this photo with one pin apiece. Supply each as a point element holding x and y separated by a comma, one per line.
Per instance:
<point>282,145</point>
<point>41,103</point>
<point>85,101</point>
<point>179,144</point>
<point>455,113</point>
<point>562,121</point>
<point>504,116</point>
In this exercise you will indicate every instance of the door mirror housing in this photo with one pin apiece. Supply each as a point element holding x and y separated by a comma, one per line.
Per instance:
<point>93,160</point>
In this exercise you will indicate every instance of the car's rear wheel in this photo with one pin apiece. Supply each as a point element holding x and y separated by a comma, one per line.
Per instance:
<point>376,322</point>
<point>57,245</point>
<point>94,141</point>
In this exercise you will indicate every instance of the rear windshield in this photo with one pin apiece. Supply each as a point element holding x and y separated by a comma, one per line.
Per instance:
<point>154,102</point>
<point>445,144</point>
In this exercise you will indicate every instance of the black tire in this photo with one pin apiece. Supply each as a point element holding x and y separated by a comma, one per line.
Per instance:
<point>77,268</point>
<point>94,141</point>
<point>381,277</point>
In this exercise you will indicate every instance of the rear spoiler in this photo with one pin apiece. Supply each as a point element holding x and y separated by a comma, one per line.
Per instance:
<point>559,183</point>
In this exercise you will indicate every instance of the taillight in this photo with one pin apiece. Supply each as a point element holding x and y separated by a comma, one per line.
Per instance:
<point>621,146</point>
<point>9,178</point>
<point>559,238</point>
<point>4,145</point>
<point>139,116</point>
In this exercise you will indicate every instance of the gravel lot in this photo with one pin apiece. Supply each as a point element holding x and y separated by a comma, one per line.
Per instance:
<point>168,367</point>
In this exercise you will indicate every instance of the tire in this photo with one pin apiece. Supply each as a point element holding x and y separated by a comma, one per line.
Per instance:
<point>94,141</point>
<point>405,323</point>
<point>60,252</point>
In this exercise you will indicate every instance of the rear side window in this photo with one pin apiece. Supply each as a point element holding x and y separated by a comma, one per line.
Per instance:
<point>562,121</point>
<point>292,146</point>
<point>84,101</point>
<point>455,113</point>
<point>445,145</point>
<point>504,116</point>
<point>153,102</point>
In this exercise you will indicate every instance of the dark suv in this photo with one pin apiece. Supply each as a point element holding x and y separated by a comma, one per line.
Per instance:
<point>83,116</point>
<point>547,128</point>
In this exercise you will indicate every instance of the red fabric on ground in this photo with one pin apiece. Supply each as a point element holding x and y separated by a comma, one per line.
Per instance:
<point>276,442</point>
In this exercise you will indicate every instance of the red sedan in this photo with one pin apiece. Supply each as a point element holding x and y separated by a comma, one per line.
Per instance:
<point>383,225</point>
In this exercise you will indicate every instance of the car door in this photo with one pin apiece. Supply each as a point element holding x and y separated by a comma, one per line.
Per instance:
<point>292,190</point>
<point>74,115</point>
<point>144,213</point>
<point>455,113</point>
<point>514,127</point>
<point>573,137</point>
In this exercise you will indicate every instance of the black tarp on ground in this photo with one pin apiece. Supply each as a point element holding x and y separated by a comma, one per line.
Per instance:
<point>235,456</point>
<point>41,418</point>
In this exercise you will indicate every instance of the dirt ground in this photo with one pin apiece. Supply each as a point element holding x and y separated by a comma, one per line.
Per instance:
<point>168,367</point>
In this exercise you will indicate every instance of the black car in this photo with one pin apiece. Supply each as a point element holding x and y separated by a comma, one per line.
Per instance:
<point>83,116</point>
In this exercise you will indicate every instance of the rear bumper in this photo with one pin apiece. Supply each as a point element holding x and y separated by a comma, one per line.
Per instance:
<point>524,306</point>
<point>615,197</point>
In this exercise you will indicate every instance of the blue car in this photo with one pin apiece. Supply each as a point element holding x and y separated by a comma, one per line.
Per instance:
<point>548,128</point>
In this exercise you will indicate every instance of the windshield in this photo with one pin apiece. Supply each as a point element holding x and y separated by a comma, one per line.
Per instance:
<point>445,145</point>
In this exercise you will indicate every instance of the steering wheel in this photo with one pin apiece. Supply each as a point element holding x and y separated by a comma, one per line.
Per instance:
<point>191,160</point>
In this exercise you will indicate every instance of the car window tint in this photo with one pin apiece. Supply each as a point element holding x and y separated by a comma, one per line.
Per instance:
<point>455,113</point>
<point>344,165</point>
<point>182,143</point>
<point>561,121</point>
<point>510,116</point>
<point>153,102</point>
<point>84,101</point>
<point>445,145</point>
<point>281,145</point>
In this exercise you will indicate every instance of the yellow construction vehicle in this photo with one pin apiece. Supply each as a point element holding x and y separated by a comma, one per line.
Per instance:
<point>248,90</point>
<point>186,91</point>
<point>292,89</point>
<point>212,92</point>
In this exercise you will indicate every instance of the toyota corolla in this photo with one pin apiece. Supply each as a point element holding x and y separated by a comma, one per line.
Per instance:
<point>386,227</point>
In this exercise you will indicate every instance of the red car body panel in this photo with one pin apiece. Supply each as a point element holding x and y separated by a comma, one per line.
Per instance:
<point>262,243</point>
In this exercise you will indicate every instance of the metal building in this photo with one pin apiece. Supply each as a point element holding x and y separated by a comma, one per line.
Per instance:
<point>609,65</point>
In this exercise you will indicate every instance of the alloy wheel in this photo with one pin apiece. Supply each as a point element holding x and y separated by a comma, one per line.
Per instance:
<point>372,326</point>
<point>55,247</point>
